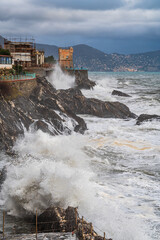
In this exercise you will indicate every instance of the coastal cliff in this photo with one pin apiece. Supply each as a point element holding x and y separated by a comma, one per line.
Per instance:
<point>38,110</point>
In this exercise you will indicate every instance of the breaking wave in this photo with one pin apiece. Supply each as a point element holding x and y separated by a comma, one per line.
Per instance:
<point>61,80</point>
<point>59,171</point>
<point>111,173</point>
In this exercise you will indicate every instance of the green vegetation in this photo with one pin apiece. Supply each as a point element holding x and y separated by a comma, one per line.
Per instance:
<point>50,59</point>
<point>4,51</point>
<point>18,69</point>
<point>7,72</point>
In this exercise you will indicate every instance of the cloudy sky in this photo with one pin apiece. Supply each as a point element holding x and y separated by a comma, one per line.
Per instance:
<point>123,26</point>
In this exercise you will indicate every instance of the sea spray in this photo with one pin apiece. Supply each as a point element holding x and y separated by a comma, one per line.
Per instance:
<point>111,173</point>
<point>49,170</point>
<point>60,79</point>
<point>59,171</point>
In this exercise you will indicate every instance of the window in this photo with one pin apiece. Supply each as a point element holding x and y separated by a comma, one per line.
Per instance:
<point>5,60</point>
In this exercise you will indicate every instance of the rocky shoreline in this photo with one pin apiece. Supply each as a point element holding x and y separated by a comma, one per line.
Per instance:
<point>49,110</point>
<point>39,110</point>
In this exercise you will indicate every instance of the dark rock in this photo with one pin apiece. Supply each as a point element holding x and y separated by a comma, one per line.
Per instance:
<point>56,219</point>
<point>70,216</point>
<point>146,117</point>
<point>42,126</point>
<point>82,81</point>
<point>2,176</point>
<point>119,93</point>
<point>78,103</point>
<point>39,108</point>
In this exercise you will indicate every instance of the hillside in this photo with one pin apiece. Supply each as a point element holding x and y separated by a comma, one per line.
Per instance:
<point>95,60</point>
<point>49,49</point>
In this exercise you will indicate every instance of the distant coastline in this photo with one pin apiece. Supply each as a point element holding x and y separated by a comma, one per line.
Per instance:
<point>95,60</point>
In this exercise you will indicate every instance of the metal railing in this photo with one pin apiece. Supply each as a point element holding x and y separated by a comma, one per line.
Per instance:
<point>27,76</point>
<point>76,68</point>
<point>78,225</point>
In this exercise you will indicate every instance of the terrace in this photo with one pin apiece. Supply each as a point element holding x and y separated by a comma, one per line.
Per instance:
<point>17,78</point>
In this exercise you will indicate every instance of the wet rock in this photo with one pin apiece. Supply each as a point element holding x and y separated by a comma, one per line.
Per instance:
<point>39,107</point>
<point>56,219</point>
<point>40,125</point>
<point>119,93</point>
<point>82,81</point>
<point>146,117</point>
<point>79,104</point>
<point>2,176</point>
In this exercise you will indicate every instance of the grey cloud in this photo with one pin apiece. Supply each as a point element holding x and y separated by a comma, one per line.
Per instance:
<point>41,20</point>
<point>83,4</point>
<point>148,4</point>
<point>54,20</point>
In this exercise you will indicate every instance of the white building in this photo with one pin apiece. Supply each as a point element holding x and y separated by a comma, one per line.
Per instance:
<point>5,62</point>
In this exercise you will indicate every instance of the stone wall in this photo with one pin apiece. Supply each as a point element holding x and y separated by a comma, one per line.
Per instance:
<point>11,90</point>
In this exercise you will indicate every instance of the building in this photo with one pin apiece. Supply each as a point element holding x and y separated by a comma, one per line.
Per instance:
<point>21,52</point>
<point>39,58</point>
<point>5,62</point>
<point>66,57</point>
<point>24,53</point>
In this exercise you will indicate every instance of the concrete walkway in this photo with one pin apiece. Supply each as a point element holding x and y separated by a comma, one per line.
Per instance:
<point>41,236</point>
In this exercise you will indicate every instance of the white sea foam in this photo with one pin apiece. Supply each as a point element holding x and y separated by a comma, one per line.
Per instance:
<point>56,170</point>
<point>102,90</point>
<point>49,170</point>
<point>61,80</point>
<point>111,173</point>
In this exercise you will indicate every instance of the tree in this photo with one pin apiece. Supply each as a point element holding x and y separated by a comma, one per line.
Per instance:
<point>4,51</point>
<point>50,59</point>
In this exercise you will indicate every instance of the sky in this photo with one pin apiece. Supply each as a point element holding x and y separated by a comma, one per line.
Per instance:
<point>112,26</point>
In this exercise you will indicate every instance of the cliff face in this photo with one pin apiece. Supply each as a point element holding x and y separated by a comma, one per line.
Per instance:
<point>11,90</point>
<point>39,111</point>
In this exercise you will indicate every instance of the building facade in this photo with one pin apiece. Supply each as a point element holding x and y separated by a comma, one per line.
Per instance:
<point>66,57</point>
<point>5,62</point>
<point>24,53</point>
<point>39,58</point>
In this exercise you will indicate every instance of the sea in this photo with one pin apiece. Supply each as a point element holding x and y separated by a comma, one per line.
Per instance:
<point>111,173</point>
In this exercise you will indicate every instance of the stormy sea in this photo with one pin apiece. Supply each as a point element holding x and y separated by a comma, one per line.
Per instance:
<point>111,173</point>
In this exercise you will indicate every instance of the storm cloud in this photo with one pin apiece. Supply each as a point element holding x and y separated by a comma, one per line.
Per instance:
<point>100,20</point>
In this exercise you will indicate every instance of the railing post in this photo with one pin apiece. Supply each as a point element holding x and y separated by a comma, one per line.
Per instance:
<point>82,228</point>
<point>91,230</point>
<point>36,225</point>
<point>76,217</point>
<point>3,222</point>
<point>104,236</point>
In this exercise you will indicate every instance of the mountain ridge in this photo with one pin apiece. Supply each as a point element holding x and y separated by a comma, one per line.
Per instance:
<point>96,60</point>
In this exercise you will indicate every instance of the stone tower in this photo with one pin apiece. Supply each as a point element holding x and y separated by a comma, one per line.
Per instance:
<point>66,58</point>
